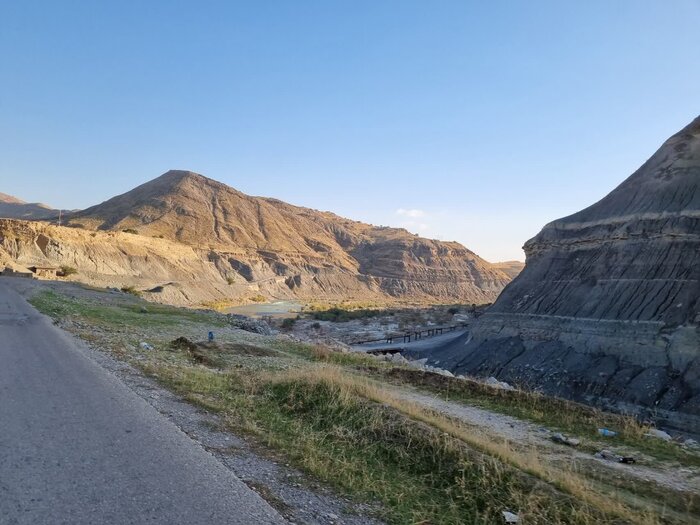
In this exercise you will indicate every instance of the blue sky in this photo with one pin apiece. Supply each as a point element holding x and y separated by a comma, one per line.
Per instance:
<point>469,121</point>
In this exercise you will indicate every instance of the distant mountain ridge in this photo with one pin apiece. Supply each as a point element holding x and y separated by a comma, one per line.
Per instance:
<point>14,208</point>
<point>251,246</point>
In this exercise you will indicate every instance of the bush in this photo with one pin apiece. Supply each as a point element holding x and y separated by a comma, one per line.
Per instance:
<point>230,280</point>
<point>131,230</point>
<point>340,315</point>
<point>288,323</point>
<point>132,290</point>
<point>68,270</point>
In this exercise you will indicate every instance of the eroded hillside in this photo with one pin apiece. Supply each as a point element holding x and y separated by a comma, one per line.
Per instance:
<point>194,240</point>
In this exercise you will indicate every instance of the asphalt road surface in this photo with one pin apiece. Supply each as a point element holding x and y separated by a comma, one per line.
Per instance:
<point>416,345</point>
<point>77,446</point>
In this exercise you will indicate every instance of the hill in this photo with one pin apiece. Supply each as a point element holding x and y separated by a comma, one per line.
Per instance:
<point>607,309</point>
<point>510,268</point>
<point>251,246</point>
<point>14,208</point>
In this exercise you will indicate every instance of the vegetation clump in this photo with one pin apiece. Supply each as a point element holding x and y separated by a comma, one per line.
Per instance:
<point>341,315</point>
<point>131,230</point>
<point>288,323</point>
<point>68,270</point>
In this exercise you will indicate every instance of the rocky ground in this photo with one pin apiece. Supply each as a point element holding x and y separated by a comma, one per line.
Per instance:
<point>379,324</point>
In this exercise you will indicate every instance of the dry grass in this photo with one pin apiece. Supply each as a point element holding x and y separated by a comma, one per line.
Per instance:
<point>565,479</point>
<point>554,413</point>
<point>326,415</point>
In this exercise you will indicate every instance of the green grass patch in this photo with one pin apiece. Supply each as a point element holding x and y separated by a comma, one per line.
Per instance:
<point>341,315</point>
<point>119,314</point>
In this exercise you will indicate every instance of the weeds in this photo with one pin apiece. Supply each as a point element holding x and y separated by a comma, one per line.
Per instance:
<point>558,414</point>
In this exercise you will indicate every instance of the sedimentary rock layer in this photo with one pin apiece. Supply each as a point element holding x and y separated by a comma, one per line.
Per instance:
<point>607,309</point>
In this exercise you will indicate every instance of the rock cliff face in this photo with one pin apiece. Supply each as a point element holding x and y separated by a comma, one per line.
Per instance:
<point>607,309</point>
<point>217,243</point>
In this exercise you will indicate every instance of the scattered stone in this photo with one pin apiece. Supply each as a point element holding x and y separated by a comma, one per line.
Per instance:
<point>398,359</point>
<point>611,456</point>
<point>146,346</point>
<point>509,517</point>
<point>249,324</point>
<point>690,443</point>
<point>659,434</point>
<point>564,440</point>
<point>419,363</point>
<point>492,381</point>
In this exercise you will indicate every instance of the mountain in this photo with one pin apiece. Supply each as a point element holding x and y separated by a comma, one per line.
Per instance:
<point>14,208</point>
<point>249,246</point>
<point>510,268</point>
<point>607,309</point>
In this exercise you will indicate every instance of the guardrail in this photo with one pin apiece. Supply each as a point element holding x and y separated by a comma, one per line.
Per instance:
<point>413,335</point>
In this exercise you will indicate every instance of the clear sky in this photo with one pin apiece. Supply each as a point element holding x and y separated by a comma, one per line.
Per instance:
<point>470,121</point>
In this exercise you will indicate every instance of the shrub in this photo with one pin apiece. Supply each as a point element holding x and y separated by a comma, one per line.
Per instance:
<point>230,280</point>
<point>68,270</point>
<point>288,323</point>
<point>341,315</point>
<point>132,290</point>
<point>131,230</point>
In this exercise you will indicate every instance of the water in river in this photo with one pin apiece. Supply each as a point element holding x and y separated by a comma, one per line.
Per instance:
<point>279,309</point>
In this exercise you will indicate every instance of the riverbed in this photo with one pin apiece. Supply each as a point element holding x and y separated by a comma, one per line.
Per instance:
<point>277,309</point>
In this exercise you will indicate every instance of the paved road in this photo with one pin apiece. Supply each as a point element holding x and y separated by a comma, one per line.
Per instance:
<point>426,343</point>
<point>79,447</point>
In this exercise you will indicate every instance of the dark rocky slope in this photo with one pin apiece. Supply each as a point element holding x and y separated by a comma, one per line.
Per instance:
<point>607,309</point>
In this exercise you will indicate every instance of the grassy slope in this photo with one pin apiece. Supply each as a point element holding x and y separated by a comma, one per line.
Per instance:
<point>322,411</point>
